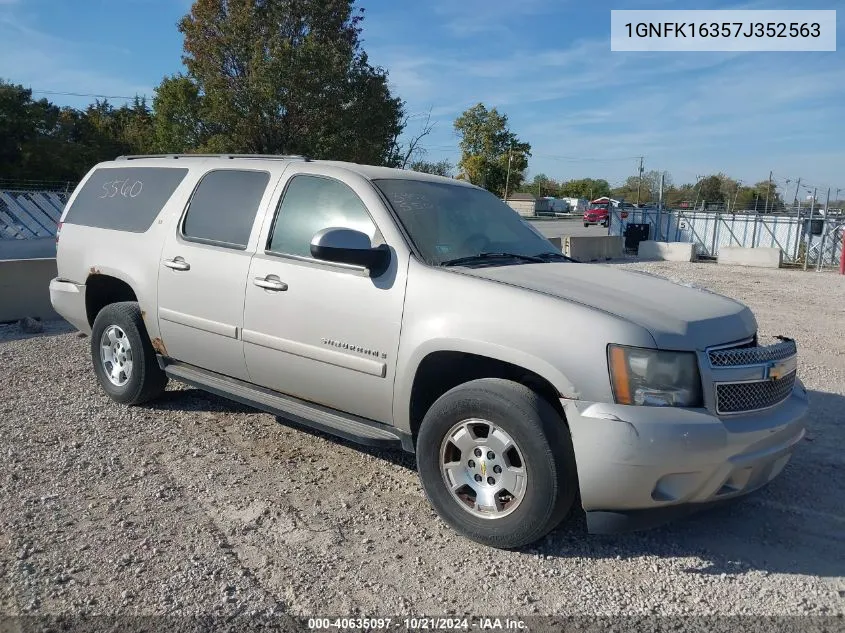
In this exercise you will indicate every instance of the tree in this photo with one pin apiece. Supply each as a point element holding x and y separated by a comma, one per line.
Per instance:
<point>648,187</point>
<point>440,168</point>
<point>281,76</point>
<point>585,188</point>
<point>710,190</point>
<point>411,151</point>
<point>488,148</point>
<point>674,197</point>
<point>178,123</point>
<point>541,185</point>
<point>754,198</point>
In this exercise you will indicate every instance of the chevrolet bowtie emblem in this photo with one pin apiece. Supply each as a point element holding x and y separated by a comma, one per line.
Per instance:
<point>776,371</point>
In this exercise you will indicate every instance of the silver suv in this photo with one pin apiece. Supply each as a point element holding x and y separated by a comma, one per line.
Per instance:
<point>401,309</point>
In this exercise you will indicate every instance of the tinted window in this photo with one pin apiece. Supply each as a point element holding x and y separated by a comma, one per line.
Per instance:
<point>311,204</point>
<point>447,221</point>
<point>124,198</point>
<point>224,205</point>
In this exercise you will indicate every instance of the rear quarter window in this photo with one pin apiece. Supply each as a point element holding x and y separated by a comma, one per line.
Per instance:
<point>124,198</point>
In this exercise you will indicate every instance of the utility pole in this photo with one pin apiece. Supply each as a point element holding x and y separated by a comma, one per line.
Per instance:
<point>810,235</point>
<point>766,208</point>
<point>640,181</point>
<point>697,191</point>
<point>736,195</point>
<point>824,233</point>
<point>660,207</point>
<point>795,199</point>
<point>508,177</point>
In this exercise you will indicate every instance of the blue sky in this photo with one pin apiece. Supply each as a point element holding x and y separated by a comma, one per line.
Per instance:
<point>587,111</point>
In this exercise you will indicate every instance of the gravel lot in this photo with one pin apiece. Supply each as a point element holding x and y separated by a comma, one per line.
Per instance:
<point>194,505</point>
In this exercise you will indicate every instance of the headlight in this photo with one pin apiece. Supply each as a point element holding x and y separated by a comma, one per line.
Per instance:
<point>654,378</point>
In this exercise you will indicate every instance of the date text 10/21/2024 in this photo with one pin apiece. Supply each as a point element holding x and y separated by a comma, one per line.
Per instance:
<point>419,623</point>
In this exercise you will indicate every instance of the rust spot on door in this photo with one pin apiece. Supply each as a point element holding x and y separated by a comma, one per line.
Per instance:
<point>158,346</point>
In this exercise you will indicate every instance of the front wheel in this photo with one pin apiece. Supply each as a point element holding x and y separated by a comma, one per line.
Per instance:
<point>496,462</point>
<point>586,224</point>
<point>124,360</point>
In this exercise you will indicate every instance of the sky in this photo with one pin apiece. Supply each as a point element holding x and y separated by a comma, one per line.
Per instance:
<point>546,64</point>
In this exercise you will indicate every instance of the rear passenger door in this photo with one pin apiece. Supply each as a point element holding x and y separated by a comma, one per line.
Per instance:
<point>204,266</point>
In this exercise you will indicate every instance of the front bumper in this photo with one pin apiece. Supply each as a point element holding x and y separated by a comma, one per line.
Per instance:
<point>641,466</point>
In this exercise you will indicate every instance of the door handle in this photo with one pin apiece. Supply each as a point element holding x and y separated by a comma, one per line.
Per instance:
<point>268,283</point>
<point>177,263</point>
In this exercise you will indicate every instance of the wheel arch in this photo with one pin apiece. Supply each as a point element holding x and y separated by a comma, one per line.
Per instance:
<point>447,364</point>
<point>102,289</point>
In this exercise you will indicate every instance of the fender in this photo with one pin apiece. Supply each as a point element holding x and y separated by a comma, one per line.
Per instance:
<point>405,379</point>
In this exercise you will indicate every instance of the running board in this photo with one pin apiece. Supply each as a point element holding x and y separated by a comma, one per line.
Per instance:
<point>345,425</point>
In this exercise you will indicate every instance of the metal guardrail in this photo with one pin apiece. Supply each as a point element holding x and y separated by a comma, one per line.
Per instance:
<point>30,214</point>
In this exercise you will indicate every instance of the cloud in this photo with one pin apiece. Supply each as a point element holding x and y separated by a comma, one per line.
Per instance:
<point>42,61</point>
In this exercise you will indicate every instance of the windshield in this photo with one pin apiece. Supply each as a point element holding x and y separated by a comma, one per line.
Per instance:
<point>447,222</point>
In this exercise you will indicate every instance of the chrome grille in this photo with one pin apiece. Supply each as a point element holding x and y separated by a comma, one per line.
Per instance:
<point>752,396</point>
<point>738,356</point>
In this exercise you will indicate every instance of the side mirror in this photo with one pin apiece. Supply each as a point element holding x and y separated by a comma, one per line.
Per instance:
<point>347,246</point>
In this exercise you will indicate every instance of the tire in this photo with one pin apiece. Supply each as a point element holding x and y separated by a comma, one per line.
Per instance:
<point>121,327</point>
<point>586,224</point>
<point>543,445</point>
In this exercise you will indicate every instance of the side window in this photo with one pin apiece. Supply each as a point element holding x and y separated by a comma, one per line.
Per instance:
<point>313,203</point>
<point>223,207</point>
<point>124,198</point>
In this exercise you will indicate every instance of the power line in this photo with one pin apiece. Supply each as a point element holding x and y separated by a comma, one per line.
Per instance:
<point>59,93</point>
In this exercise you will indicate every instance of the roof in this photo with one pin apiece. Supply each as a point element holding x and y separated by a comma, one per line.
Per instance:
<point>521,196</point>
<point>370,172</point>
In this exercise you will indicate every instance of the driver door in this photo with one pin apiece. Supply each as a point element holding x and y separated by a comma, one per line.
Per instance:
<point>323,332</point>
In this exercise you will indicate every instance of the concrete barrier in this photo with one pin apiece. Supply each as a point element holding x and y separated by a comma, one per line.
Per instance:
<point>36,248</point>
<point>758,257</point>
<point>25,289</point>
<point>590,248</point>
<point>667,251</point>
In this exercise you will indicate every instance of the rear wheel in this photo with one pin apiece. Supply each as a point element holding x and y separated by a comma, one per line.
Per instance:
<point>496,462</point>
<point>124,360</point>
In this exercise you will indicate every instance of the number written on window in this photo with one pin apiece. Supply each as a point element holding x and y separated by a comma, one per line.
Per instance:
<point>127,188</point>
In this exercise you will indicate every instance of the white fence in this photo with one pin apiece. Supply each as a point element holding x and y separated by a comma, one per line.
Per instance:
<point>710,231</point>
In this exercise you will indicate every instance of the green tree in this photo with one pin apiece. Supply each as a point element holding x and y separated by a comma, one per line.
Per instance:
<point>648,187</point>
<point>585,188</point>
<point>711,191</point>
<point>178,123</point>
<point>488,147</point>
<point>280,76</point>
<point>754,198</point>
<point>439,168</point>
<point>674,197</point>
<point>541,185</point>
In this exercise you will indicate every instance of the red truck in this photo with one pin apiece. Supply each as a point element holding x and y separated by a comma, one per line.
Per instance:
<point>598,212</point>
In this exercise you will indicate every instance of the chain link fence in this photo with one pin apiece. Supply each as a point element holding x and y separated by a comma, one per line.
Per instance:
<point>811,242</point>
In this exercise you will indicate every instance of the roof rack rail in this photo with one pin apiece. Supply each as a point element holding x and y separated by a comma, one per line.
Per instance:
<point>229,156</point>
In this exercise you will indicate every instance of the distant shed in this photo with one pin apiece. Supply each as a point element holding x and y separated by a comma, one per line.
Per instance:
<point>525,204</point>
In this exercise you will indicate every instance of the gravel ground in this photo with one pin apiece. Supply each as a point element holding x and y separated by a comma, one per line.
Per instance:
<point>195,505</point>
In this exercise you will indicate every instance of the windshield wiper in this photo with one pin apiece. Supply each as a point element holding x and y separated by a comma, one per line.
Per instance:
<point>483,256</point>
<point>554,255</point>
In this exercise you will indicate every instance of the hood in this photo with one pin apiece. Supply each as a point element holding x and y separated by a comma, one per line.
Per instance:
<point>679,317</point>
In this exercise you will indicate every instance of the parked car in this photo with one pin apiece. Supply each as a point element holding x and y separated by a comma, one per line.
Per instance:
<point>389,307</point>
